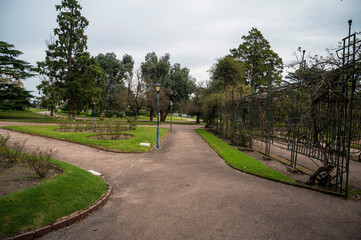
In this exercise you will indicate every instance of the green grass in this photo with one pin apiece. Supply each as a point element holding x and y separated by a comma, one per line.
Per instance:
<point>71,191</point>
<point>29,115</point>
<point>141,135</point>
<point>241,161</point>
<point>168,122</point>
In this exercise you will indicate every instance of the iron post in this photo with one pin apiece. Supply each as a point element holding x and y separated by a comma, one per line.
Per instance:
<point>94,112</point>
<point>171,120</point>
<point>157,88</point>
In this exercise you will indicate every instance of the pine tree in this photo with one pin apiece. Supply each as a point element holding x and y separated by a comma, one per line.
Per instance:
<point>13,97</point>
<point>260,60</point>
<point>67,62</point>
<point>12,69</point>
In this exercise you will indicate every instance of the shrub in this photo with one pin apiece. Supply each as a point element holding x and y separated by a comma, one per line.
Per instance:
<point>39,161</point>
<point>131,123</point>
<point>11,151</point>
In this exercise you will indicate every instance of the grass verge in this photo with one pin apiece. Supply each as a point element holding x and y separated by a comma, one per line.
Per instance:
<point>29,115</point>
<point>69,192</point>
<point>141,135</point>
<point>240,160</point>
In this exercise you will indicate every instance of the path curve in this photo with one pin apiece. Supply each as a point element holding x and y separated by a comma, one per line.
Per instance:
<point>185,191</point>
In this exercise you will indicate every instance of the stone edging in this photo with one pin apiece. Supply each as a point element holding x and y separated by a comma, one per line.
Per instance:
<point>38,232</point>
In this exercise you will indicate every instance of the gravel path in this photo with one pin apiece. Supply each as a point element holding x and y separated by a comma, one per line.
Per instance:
<point>185,191</point>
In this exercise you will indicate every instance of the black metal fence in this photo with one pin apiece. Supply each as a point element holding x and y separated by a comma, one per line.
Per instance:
<point>318,117</point>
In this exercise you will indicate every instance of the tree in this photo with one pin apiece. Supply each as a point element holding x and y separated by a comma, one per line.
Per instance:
<point>136,93</point>
<point>68,64</point>
<point>13,97</point>
<point>12,69</point>
<point>194,105</point>
<point>179,87</point>
<point>259,60</point>
<point>227,72</point>
<point>155,70</point>
<point>51,95</point>
<point>115,72</point>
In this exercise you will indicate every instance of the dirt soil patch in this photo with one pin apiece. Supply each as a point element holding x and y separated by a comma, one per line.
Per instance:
<point>299,177</point>
<point>111,136</point>
<point>279,167</point>
<point>89,130</point>
<point>17,176</point>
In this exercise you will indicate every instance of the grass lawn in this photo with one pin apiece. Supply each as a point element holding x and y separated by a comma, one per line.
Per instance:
<point>29,115</point>
<point>141,135</point>
<point>241,161</point>
<point>71,191</point>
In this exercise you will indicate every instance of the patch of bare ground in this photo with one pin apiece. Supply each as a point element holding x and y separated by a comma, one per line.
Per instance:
<point>87,130</point>
<point>17,176</point>
<point>111,136</point>
<point>298,176</point>
<point>279,167</point>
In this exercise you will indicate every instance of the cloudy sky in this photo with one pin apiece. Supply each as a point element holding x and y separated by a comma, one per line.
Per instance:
<point>194,32</point>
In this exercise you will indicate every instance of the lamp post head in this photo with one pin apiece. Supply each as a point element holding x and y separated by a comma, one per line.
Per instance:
<point>171,103</point>
<point>157,86</point>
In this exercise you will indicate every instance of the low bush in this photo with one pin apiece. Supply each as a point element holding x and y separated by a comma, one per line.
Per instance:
<point>39,161</point>
<point>11,151</point>
<point>100,126</point>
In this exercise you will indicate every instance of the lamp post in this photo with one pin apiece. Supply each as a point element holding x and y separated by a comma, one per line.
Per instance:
<point>171,104</point>
<point>157,88</point>
<point>94,112</point>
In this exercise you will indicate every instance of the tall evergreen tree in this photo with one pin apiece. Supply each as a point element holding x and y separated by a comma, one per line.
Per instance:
<point>259,60</point>
<point>12,69</point>
<point>13,97</point>
<point>68,63</point>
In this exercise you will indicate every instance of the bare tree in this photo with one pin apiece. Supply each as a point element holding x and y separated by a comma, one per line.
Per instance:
<point>136,92</point>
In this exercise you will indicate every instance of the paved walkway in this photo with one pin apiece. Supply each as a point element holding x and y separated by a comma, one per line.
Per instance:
<point>185,191</point>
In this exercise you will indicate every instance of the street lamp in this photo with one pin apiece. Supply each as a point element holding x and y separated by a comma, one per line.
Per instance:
<point>171,104</point>
<point>157,88</point>
<point>94,112</point>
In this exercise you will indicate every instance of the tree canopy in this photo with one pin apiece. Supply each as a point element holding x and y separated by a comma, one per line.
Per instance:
<point>259,59</point>
<point>116,71</point>
<point>227,72</point>
<point>67,63</point>
<point>13,97</point>
<point>12,69</point>
<point>176,82</point>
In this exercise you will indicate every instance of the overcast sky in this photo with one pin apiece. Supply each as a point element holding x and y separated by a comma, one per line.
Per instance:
<point>194,32</point>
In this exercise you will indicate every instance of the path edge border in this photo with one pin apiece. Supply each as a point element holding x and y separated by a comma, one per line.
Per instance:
<point>65,221</point>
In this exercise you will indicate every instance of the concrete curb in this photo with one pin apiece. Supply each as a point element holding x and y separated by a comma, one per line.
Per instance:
<point>38,232</point>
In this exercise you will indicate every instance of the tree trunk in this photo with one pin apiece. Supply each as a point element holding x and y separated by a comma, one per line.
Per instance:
<point>101,113</point>
<point>135,116</point>
<point>51,111</point>
<point>71,112</point>
<point>198,119</point>
<point>151,115</point>
<point>163,115</point>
